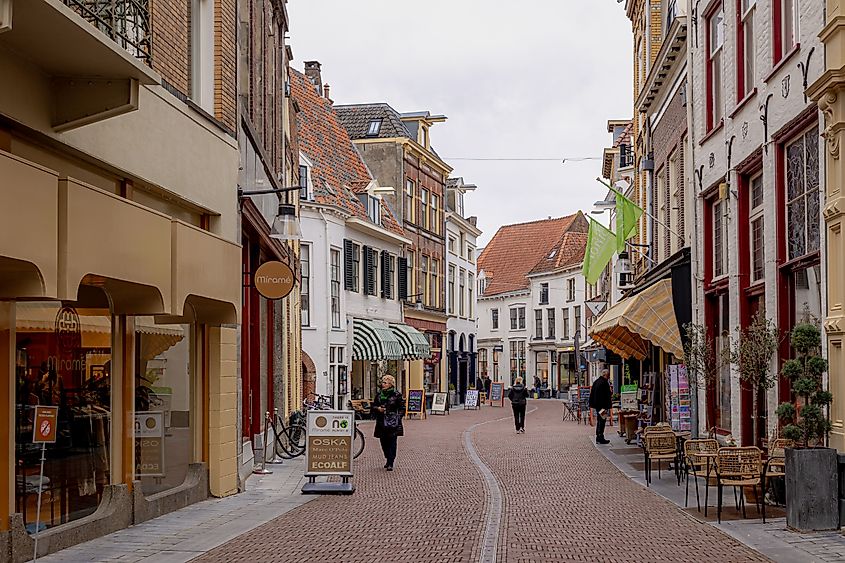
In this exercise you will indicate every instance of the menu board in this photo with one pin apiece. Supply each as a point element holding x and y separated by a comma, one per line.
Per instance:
<point>471,400</point>
<point>438,405</point>
<point>679,397</point>
<point>416,402</point>
<point>497,395</point>
<point>584,395</point>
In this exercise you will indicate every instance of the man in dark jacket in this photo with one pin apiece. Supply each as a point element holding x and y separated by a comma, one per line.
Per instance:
<point>518,396</point>
<point>600,401</point>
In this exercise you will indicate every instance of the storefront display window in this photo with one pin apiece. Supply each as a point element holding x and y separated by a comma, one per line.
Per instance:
<point>163,393</point>
<point>542,360</point>
<point>62,358</point>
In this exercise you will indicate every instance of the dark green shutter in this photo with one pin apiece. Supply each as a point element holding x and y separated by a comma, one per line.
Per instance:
<point>403,278</point>
<point>348,265</point>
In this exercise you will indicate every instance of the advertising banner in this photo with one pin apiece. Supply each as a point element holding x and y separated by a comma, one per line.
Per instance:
<point>329,448</point>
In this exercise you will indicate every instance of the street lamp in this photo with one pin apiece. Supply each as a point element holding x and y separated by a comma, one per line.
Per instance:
<point>285,224</point>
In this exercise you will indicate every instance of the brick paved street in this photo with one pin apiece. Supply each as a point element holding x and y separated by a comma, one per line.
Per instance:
<point>556,489</point>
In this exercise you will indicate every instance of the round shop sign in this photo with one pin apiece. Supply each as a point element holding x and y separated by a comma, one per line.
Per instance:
<point>274,280</point>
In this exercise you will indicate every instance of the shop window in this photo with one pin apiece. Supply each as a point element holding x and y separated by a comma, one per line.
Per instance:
<point>802,195</point>
<point>164,442</point>
<point>542,367</point>
<point>496,365</point>
<point>520,349</point>
<point>514,357</point>
<point>482,362</point>
<point>63,358</point>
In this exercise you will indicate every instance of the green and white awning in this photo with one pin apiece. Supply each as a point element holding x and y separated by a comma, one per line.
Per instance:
<point>374,340</point>
<point>415,345</point>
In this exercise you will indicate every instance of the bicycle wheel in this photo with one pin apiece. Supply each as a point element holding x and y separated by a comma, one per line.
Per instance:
<point>280,443</point>
<point>295,438</point>
<point>358,443</point>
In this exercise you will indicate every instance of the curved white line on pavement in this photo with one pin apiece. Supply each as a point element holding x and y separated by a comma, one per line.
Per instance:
<point>490,539</point>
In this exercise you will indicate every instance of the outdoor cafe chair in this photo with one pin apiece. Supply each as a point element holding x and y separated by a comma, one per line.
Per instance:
<point>660,445</point>
<point>775,466</point>
<point>699,456</point>
<point>570,409</point>
<point>739,467</point>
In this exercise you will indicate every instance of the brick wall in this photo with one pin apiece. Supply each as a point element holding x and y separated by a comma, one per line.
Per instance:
<point>170,22</point>
<point>225,63</point>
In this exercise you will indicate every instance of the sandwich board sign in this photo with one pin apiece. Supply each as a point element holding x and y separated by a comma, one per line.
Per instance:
<point>329,451</point>
<point>471,399</point>
<point>439,404</point>
<point>497,394</point>
<point>415,403</point>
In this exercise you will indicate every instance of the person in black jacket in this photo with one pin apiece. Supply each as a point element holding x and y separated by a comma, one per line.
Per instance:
<point>518,396</point>
<point>600,401</point>
<point>389,408</point>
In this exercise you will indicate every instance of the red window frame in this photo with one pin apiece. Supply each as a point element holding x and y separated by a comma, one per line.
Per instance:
<point>741,79</point>
<point>779,50</point>
<point>708,16</point>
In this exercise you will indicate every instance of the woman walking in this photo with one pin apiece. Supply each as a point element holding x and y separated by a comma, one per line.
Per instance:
<point>518,396</point>
<point>389,408</point>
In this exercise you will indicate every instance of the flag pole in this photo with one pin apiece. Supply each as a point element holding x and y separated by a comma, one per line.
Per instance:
<point>646,213</point>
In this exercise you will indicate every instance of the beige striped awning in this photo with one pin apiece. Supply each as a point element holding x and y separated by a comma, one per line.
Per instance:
<point>649,316</point>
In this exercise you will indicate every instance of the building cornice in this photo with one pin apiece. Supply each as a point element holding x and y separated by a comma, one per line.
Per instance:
<point>462,222</point>
<point>671,55</point>
<point>376,231</point>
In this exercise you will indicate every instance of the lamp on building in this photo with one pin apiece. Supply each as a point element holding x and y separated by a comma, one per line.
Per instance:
<point>286,223</point>
<point>623,268</point>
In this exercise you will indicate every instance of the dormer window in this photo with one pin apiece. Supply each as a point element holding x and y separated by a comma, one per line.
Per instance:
<point>303,183</point>
<point>374,209</point>
<point>374,128</point>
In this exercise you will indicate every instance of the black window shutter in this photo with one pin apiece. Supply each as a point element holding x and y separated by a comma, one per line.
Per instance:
<point>368,271</point>
<point>403,278</point>
<point>385,275</point>
<point>348,277</point>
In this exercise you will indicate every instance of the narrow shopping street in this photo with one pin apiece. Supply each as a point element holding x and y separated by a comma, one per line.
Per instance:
<point>561,501</point>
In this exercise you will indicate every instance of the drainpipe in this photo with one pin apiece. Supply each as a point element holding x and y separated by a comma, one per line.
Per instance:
<point>692,185</point>
<point>328,254</point>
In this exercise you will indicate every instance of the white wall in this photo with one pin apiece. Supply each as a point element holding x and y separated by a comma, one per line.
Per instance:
<point>747,128</point>
<point>461,324</point>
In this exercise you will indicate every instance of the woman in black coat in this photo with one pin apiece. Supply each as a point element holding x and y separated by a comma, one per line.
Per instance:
<point>389,408</point>
<point>518,396</point>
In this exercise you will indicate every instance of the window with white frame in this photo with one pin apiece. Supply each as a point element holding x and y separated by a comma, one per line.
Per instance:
<point>756,226</point>
<point>462,292</point>
<point>482,362</point>
<point>494,314</point>
<point>676,188</point>
<point>305,285</point>
<point>434,283</point>
<point>570,289</point>
<point>470,291</point>
<point>538,324</point>
<point>335,363</point>
<point>410,193</point>
<point>521,312</point>
<point>374,209</point>
<point>451,289</point>
<point>335,287</point>
<point>565,318</point>
<point>544,294</point>
<point>304,192</point>
<point>425,209</point>
<point>551,323</point>
<point>662,212</point>
<point>452,245</point>
<point>514,314</point>
<point>435,214</point>
<point>470,254</point>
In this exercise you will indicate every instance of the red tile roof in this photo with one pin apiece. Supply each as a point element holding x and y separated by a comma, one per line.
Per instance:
<point>338,173</point>
<point>518,250</point>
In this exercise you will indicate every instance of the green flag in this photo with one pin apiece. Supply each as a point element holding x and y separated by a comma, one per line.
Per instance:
<point>627,215</point>
<point>601,245</point>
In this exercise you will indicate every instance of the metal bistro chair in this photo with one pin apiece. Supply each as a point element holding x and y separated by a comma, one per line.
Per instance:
<point>699,456</point>
<point>571,408</point>
<point>775,466</point>
<point>659,446</point>
<point>739,467</point>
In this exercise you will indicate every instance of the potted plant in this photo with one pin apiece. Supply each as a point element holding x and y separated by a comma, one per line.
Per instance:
<point>702,363</point>
<point>812,488</point>
<point>453,395</point>
<point>751,353</point>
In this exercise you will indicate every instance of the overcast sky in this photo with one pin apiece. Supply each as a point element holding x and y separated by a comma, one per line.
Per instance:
<point>533,79</point>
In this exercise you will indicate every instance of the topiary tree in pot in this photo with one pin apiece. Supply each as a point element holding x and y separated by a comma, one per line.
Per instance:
<point>811,468</point>
<point>701,360</point>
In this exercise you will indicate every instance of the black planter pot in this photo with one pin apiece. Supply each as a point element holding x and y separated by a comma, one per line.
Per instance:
<point>812,489</point>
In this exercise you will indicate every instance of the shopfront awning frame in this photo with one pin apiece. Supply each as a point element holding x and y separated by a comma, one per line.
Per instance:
<point>646,318</point>
<point>415,345</point>
<point>374,341</point>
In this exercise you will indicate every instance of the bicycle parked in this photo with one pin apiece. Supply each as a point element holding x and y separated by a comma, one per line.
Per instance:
<point>290,439</point>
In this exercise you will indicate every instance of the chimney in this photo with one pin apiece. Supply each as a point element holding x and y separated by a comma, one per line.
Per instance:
<point>473,221</point>
<point>312,71</point>
<point>326,89</point>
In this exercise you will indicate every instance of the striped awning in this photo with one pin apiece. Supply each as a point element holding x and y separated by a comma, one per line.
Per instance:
<point>374,340</point>
<point>629,326</point>
<point>415,345</point>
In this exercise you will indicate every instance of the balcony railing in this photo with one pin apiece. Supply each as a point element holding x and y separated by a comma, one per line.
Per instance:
<point>126,22</point>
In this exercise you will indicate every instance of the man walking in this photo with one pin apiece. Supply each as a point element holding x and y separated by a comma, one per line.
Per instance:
<point>600,401</point>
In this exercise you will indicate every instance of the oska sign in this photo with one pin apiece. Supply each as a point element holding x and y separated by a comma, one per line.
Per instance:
<point>274,280</point>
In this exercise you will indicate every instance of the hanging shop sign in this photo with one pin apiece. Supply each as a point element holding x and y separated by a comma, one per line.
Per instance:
<point>471,399</point>
<point>274,280</point>
<point>439,404</point>
<point>44,428</point>
<point>497,394</point>
<point>415,402</point>
<point>149,444</point>
<point>596,306</point>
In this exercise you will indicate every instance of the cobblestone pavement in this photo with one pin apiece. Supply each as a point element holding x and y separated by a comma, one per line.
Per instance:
<point>561,501</point>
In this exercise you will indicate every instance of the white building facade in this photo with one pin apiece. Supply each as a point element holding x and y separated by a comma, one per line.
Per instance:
<point>756,181</point>
<point>461,289</point>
